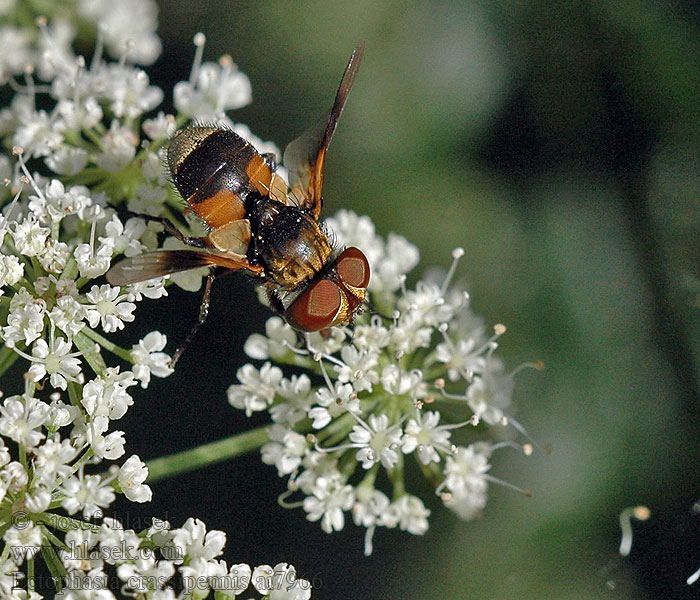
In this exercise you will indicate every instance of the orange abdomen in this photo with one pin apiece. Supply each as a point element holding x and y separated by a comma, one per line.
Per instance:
<point>214,170</point>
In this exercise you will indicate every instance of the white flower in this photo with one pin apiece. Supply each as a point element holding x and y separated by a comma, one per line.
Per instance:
<point>38,133</point>
<point>429,302</point>
<point>89,493</point>
<point>54,203</point>
<point>285,449</point>
<point>144,570</point>
<point>149,199</point>
<point>110,446</point>
<point>118,147</point>
<point>368,510</point>
<point>93,263</point>
<point>29,237</point>
<point>490,393</point>
<point>425,437</point>
<point>399,382</point>
<point>129,27</point>
<point>257,389</point>
<point>153,289</point>
<point>38,499</point>
<point>161,127</point>
<point>124,238</point>
<point>409,513</point>
<point>462,358</point>
<point>23,542</point>
<point>90,585</point>
<point>52,460</point>
<point>377,442</point>
<point>465,470</point>
<point>358,368</point>
<point>195,542</point>
<point>280,583</point>
<point>67,160</point>
<point>275,344</point>
<point>81,553</point>
<point>116,542</point>
<point>107,396</point>
<point>82,114</point>
<point>14,478</point>
<point>329,497</point>
<point>20,40</point>
<point>21,418</point>
<point>212,90</point>
<point>55,256</point>
<point>467,505</point>
<point>25,322</point>
<point>229,582</point>
<point>4,454</point>
<point>62,414</point>
<point>11,270</point>
<point>55,360</point>
<point>371,338</point>
<point>149,360</point>
<point>332,404</point>
<point>129,91</point>
<point>68,315</point>
<point>296,397</point>
<point>411,332</point>
<point>132,475</point>
<point>400,257</point>
<point>108,308</point>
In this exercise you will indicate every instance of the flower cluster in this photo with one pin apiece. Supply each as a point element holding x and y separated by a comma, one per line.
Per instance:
<point>82,170</point>
<point>380,393</point>
<point>144,563</point>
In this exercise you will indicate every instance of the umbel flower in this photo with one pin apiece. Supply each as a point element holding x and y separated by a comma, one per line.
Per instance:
<point>81,141</point>
<point>384,395</point>
<point>415,380</point>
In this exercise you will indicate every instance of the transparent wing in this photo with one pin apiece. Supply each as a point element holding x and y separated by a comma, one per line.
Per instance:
<point>164,262</point>
<point>305,156</point>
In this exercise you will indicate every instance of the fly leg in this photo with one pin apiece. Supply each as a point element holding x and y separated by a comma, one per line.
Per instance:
<point>271,160</point>
<point>189,240</point>
<point>275,301</point>
<point>203,314</point>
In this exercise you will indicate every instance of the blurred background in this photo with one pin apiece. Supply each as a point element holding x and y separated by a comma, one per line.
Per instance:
<point>558,144</point>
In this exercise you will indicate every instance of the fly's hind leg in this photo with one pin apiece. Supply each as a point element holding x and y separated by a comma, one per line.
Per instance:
<point>203,314</point>
<point>189,240</point>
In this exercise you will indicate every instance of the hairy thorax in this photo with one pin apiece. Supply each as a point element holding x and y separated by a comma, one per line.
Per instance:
<point>288,243</point>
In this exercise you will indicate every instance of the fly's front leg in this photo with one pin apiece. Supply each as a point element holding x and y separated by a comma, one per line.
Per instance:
<point>203,314</point>
<point>275,301</point>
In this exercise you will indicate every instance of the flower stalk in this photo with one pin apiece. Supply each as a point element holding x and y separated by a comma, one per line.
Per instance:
<point>206,454</point>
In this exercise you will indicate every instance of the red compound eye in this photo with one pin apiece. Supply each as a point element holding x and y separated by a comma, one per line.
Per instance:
<point>353,268</point>
<point>316,308</point>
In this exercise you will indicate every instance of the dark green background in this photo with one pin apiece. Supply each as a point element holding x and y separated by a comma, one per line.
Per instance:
<point>557,143</point>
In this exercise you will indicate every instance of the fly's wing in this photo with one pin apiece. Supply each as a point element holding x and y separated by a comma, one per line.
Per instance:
<point>305,156</point>
<point>164,262</point>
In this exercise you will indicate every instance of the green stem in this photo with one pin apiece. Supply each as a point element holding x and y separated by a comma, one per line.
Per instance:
<point>30,576</point>
<point>93,357</point>
<point>208,454</point>
<point>63,523</point>
<point>107,345</point>
<point>7,358</point>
